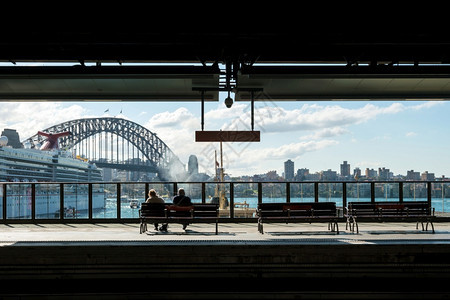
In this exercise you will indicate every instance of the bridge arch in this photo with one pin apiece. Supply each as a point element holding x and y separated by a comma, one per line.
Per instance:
<point>158,157</point>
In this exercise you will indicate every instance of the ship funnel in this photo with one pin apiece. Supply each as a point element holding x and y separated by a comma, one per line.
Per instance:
<point>52,139</point>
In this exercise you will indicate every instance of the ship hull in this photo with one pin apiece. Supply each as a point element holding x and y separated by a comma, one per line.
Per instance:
<point>48,206</point>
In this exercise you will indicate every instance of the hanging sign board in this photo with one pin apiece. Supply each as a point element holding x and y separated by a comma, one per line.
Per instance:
<point>227,136</point>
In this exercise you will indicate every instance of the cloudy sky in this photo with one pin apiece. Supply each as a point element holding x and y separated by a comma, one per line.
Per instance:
<point>317,135</point>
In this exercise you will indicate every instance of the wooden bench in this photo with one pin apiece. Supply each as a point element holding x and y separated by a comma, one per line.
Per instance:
<point>407,211</point>
<point>306,212</point>
<point>169,213</point>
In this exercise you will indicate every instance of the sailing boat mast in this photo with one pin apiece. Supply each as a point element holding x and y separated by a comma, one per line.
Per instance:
<point>220,189</point>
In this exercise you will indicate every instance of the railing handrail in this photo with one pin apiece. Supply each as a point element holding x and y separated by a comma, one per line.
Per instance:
<point>225,182</point>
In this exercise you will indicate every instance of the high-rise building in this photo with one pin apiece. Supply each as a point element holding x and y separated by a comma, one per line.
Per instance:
<point>371,173</point>
<point>345,169</point>
<point>192,165</point>
<point>384,174</point>
<point>289,170</point>
<point>13,138</point>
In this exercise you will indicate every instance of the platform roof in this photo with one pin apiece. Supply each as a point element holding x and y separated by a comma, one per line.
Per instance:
<point>108,83</point>
<point>344,83</point>
<point>381,63</point>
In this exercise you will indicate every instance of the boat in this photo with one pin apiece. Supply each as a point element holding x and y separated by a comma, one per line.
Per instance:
<point>48,164</point>
<point>134,204</point>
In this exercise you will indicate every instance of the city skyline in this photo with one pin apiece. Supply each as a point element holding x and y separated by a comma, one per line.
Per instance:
<point>319,135</point>
<point>347,172</point>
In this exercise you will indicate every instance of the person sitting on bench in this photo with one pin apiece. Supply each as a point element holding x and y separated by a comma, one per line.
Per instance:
<point>154,198</point>
<point>182,200</point>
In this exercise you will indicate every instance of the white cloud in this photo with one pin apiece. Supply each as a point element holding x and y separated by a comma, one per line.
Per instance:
<point>410,134</point>
<point>313,117</point>
<point>427,104</point>
<point>177,130</point>
<point>170,119</point>
<point>326,133</point>
<point>29,117</point>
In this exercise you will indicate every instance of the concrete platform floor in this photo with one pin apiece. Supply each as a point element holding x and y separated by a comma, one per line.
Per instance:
<point>288,261</point>
<point>228,232</point>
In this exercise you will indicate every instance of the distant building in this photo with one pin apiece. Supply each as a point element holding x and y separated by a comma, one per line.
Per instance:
<point>13,138</point>
<point>357,173</point>
<point>271,176</point>
<point>345,169</point>
<point>384,174</point>
<point>328,175</point>
<point>411,175</point>
<point>302,174</point>
<point>371,174</point>
<point>427,176</point>
<point>192,165</point>
<point>289,170</point>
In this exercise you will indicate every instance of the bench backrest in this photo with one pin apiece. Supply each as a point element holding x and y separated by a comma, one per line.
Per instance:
<point>196,210</point>
<point>153,209</point>
<point>297,209</point>
<point>390,208</point>
<point>207,210</point>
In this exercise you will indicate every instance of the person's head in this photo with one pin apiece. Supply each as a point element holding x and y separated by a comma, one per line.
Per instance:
<point>181,192</point>
<point>152,193</point>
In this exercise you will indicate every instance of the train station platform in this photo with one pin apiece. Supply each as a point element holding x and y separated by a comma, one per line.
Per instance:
<point>288,261</point>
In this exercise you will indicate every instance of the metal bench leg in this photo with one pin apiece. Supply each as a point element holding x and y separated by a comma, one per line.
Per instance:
<point>260,227</point>
<point>432,226</point>
<point>355,223</point>
<point>143,227</point>
<point>337,227</point>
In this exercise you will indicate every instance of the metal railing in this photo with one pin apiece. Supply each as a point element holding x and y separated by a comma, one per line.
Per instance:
<point>94,202</point>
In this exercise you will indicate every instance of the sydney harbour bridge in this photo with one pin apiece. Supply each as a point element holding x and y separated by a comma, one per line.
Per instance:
<point>117,144</point>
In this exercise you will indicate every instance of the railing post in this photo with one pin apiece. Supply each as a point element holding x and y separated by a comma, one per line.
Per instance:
<point>259,192</point>
<point>316,191</point>
<point>4,202</point>
<point>33,201</point>
<point>175,188</point>
<point>118,201</point>
<point>288,192</point>
<point>400,191</point>
<point>231,200</point>
<point>203,193</point>
<point>429,186</point>
<point>90,201</point>
<point>372,192</point>
<point>344,194</point>
<point>61,201</point>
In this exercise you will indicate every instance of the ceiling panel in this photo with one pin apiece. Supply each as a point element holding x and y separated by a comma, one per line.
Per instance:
<point>108,83</point>
<point>342,84</point>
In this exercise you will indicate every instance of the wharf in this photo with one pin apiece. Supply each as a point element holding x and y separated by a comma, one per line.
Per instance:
<point>114,261</point>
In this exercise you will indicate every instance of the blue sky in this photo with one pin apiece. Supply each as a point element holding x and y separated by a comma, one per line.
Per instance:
<point>316,135</point>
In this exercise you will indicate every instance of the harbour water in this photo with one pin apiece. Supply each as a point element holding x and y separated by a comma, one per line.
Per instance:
<point>110,210</point>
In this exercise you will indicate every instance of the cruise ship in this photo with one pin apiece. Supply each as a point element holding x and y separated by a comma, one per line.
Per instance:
<point>47,164</point>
